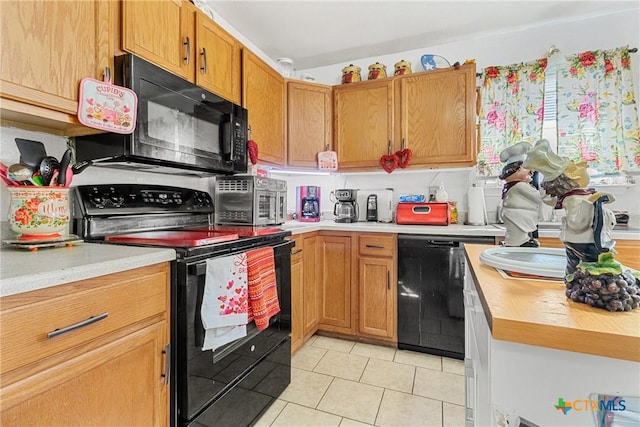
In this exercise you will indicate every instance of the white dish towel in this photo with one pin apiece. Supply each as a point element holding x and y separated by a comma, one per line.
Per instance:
<point>225,300</point>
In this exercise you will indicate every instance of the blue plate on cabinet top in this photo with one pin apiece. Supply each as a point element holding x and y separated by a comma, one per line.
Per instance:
<point>432,62</point>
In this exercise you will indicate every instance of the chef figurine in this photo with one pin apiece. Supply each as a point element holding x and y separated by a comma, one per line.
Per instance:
<point>586,228</point>
<point>520,199</point>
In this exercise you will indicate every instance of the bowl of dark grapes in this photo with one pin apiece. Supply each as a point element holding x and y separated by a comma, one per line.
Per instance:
<point>604,284</point>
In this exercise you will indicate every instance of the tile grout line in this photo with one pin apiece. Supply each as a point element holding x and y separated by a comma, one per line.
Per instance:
<point>324,394</point>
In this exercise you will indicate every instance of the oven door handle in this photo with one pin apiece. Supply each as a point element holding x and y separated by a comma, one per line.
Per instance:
<point>200,268</point>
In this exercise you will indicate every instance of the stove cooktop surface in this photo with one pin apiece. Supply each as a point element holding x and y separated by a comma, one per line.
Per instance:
<point>191,237</point>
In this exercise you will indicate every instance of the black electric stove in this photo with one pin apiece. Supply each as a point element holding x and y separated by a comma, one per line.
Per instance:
<point>235,383</point>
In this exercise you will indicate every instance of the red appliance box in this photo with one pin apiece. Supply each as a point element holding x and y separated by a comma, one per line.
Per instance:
<point>423,213</point>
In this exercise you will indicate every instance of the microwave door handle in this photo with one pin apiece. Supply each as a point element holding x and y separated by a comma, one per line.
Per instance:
<point>274,207</point>
<point>228,136</point>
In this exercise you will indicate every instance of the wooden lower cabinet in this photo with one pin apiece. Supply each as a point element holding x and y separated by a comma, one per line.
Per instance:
<point>306,268</point>
<point>113,371</point>
<point>311,288</point>
<point>297,295</point>
<point>344,284</point>
<point>377,284</point>
<point>337,284</point>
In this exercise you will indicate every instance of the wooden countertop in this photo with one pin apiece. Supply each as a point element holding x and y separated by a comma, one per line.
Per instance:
<point>538,313</point>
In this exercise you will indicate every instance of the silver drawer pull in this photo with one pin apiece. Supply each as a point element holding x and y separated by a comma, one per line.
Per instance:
<point>78,325</point>
<point>374,246</point>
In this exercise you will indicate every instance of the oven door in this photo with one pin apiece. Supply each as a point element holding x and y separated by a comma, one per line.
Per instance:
<point>281,207</point>
<point>265,207</point>
<point>254,369</point>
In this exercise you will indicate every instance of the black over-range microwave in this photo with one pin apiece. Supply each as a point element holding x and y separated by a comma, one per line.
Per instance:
<point>180,127</point>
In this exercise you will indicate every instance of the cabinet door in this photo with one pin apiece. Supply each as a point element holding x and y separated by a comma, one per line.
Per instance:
<point>376,293</point>
<point>49,46</point>
<point>311,286</point>
<point>264,97</point>
<point>438,116</point>
<point>120,383</point>
<point>364,120</point>
<point>309,122</point>
<point>162,32</point>
<point>336,309</point>
<point>297,295</point>
<point>218,59</point>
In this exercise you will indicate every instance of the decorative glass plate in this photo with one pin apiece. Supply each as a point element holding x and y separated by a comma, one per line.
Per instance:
<point>543,262</point>
<point>432,62</point>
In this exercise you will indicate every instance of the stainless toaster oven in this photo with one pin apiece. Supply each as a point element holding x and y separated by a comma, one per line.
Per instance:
<point>249,200</point>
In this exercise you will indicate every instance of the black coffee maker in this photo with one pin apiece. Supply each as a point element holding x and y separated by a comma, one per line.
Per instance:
<point>372,207</point>
<point>346,207</point>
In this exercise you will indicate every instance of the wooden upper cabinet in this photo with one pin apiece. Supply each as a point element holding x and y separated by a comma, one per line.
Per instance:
<point>219,56</point>
<point>264,96</point>
<point>174,35</point>
<point>162,32</point>
<point>47,48</point>
<point>364,121</point>
<point>438,116</point>
<point>309,122</point>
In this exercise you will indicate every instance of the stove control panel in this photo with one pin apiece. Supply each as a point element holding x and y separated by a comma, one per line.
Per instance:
<point>121,199</point>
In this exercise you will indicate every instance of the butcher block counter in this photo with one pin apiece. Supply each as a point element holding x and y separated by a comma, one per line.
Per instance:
<point>537,312</point>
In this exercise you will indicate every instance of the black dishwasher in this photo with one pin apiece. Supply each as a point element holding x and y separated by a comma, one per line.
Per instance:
<point>430,297</point>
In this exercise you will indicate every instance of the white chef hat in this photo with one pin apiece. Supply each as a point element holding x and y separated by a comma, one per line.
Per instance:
<point>515,153</point>
<point>513,157</point>
<point>542,159</point>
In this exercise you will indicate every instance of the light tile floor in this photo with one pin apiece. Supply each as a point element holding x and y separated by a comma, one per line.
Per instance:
<point>337,382</point>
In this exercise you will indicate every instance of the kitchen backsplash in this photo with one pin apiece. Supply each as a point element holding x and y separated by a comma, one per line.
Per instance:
<point>455,181</point>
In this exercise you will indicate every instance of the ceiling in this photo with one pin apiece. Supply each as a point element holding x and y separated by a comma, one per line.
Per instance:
<point>316,33</point>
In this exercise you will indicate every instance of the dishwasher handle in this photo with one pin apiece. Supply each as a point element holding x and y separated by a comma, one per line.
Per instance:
<point>441,241</point>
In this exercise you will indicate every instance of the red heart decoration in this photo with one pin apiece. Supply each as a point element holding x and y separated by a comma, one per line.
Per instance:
<point>252,147</point>
<point>404,157</point>
<point>389,162</point>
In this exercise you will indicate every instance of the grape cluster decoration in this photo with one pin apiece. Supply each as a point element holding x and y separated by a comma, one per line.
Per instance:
<point>604,284</point>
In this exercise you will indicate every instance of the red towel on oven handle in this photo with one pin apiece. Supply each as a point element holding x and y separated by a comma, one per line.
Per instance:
<point>263,292</point>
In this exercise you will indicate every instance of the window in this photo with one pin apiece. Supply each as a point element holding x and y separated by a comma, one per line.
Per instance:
<point>586,110</point>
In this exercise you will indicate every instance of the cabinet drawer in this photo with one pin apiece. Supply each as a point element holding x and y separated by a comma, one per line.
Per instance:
<point>377,244</point>
<point>28,320</point>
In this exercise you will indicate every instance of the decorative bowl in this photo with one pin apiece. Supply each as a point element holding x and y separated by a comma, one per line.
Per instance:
<point>39,212</point>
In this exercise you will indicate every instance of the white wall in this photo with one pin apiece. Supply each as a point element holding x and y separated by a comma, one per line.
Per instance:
<point>528,44</point>
<point>598,33</point>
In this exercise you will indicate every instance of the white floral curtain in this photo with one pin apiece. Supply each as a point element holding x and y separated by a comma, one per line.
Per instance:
<point>511,110</point>
<point>597,112</point>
